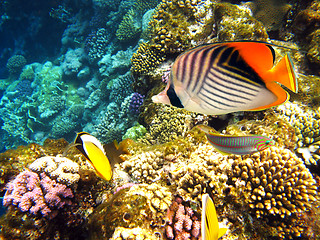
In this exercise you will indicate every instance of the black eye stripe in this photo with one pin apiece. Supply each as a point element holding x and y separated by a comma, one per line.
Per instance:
<point>174,99</point>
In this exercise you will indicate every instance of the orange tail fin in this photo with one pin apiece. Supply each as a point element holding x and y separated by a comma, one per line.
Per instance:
<point>284,74</point>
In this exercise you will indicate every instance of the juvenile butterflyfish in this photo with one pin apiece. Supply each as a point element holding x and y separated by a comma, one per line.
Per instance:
<point>94,152</point>
<point>210,229</point>
<point>240,145</point>
<point>221,78</point>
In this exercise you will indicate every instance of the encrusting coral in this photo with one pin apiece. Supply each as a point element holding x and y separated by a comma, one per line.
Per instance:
<point>141,206</point>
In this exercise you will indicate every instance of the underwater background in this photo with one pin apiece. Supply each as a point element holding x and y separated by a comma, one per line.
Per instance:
<point>76,65</point>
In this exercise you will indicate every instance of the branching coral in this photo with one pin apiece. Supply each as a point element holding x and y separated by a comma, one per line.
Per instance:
<point>275,185</point>
<point>146,58</point>
<point>60,168</point>
<point>182,221</point>
<point>130,26</point>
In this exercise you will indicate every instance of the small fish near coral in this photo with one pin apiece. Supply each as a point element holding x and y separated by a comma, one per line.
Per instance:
<point>210,229</point>
<point>94,152</point>
<point>221,78</point>
<point>240,145</point>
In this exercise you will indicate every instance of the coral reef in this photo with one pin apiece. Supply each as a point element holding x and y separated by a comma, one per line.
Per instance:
<point>133,233</point>
<point>136,100</point>
<point>130,26</point>
<point>304,119</point>
<point>146,59</point>
<point>97,44</point>
<point>73,61</point>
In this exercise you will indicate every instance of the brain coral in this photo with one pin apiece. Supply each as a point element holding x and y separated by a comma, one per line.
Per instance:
<point>16,63</point>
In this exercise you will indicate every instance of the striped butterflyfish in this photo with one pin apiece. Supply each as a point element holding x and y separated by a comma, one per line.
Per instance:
<point>221,78</point>
<point>210,229</point>
<point>240,145</point>
<point>94,152</point>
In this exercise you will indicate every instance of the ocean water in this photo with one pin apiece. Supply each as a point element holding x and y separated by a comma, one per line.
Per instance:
<point>93,66</point>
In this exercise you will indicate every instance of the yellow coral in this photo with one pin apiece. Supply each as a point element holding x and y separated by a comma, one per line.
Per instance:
<point>146,58</point>
<point>62,169</point>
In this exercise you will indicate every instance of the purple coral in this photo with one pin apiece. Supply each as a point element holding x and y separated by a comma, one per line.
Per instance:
<point>135,102</point>
<point>182,221</point>
<point>34,194</point>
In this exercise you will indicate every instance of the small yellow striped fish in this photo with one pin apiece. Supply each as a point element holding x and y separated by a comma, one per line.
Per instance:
<point>240,145</point>
<point>221,78</point>
<point>210,229</point>
<point>94,152</point>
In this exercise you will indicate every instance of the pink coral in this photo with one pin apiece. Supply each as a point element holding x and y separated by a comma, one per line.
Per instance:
<point>182,222</point>
<point>30,193</point>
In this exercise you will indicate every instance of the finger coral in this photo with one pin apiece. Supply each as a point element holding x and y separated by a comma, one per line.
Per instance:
<point>37,194</point>
<point>182,221</point>
<point>60,168</point>
<point>275,185</point>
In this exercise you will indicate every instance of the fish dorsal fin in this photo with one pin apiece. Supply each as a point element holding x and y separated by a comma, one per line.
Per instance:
<point>258,55</point>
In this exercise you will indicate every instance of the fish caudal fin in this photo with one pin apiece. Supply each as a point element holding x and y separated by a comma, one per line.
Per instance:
<point>284,74</point>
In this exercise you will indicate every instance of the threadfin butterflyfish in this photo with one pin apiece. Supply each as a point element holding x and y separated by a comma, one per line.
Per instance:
<point>221,78</point>
<point>240,145</point>
<point>94,152</point>
<point>210,229</point>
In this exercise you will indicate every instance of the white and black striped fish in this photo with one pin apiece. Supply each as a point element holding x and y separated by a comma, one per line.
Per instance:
<point>229,77</point>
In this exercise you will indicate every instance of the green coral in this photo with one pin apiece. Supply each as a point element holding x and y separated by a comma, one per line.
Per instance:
<point>130,26</point>
<point>135,132</point>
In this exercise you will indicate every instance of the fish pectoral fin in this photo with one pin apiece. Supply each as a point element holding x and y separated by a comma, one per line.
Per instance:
<point>281,94</point>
